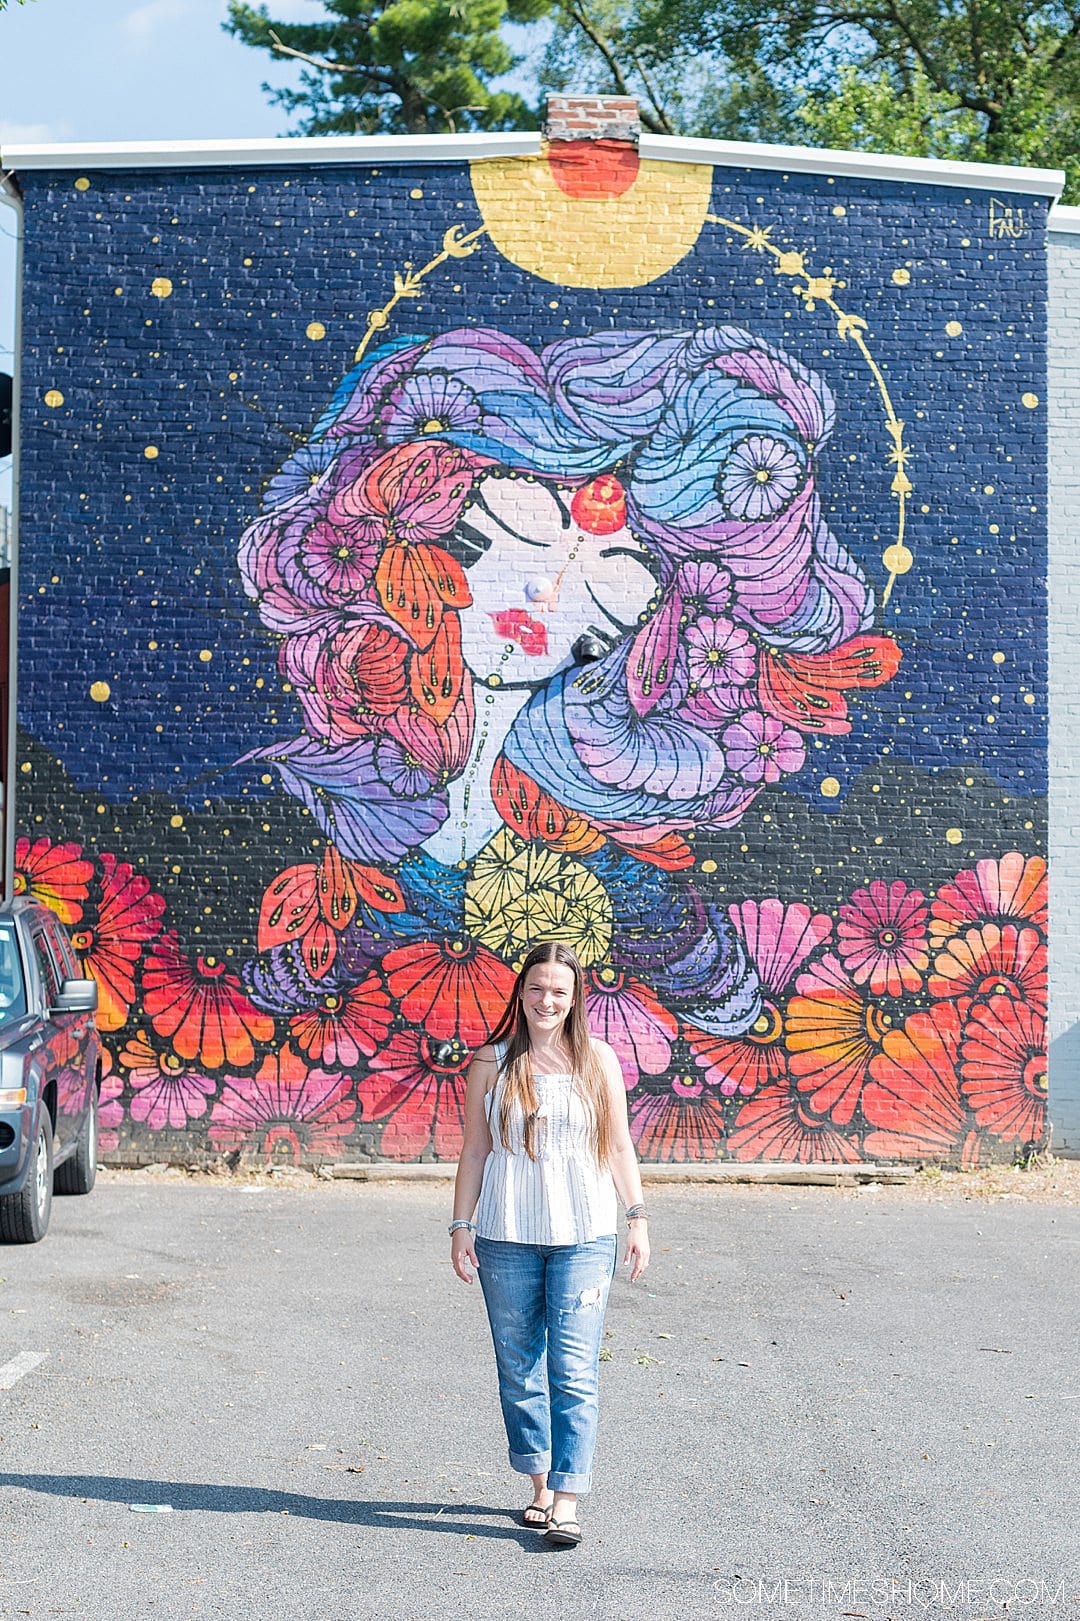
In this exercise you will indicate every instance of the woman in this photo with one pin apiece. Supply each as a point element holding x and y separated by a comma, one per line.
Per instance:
<point>547,1148</point>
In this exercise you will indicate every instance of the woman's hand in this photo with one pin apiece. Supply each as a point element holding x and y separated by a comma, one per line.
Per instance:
<point>462,1253</point>
<point>637,1249</point>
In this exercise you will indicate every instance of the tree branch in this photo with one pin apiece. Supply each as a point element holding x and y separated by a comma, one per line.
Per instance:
<point>581,18</point>
<point>312,61</point>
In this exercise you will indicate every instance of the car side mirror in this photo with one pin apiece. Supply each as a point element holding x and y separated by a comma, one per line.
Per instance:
<point>77,996</point>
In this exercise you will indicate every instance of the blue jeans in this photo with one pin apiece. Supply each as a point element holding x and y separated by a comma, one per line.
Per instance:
<point>546,1304</point>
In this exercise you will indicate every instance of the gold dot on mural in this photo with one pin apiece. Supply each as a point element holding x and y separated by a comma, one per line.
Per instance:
<point>897,559</point>
<point>790,264</point>
<point>953,835</point>
<point>995,528</point>
<point>53,398</point>
<point>416,193</point>
<point>901,278</point>
<point>1029,697</point>
<point>953,328</point>
<point>161,287</point>
<point>82,184</point>
<point>100,691</point>
<point>176,821</point>
<point>205,655</point>
<point>1030,400</point>
<point>377,319</point>
<point>151,453</point>
<point>315,331</point>
<point>988,489</point>
<point>266,778</point>
<point>26,766</point>
<point>839,211</point>
<point>830,787</point>
<point>708,866</point>
<point>999,658</point>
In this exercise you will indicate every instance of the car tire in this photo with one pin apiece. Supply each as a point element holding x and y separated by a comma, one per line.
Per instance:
<point>24,1216</point>
<point>78,1173</point>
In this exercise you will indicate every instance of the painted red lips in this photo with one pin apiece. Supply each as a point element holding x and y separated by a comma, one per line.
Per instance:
<point>518,626</point>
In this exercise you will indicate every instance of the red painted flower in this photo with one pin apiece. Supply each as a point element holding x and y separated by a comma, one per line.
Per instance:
<point>456,989</point>
<point>58,875</point>
<point>167,1092</point>
<point>685,1123</point>
<point>625,1013</point>
<point>742,1063</point>
<point>285,1113</point>
<point>776,1124</point>
<point>346,1024</point>
<point>600,506</point>
<point>1012,890</point>
<point>201,1007</point>
<point>112,934</point>
<point>1003,1067</point>
<point>833,1032</point>
<point>990,960</point>
<point>881,937</point>
<point>913,1099</point>
<point>417,1086</point>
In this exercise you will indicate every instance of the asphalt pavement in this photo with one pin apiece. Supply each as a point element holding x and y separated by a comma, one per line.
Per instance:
<point>817,1403</point>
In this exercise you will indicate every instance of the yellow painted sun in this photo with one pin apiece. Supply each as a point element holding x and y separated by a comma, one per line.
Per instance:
<point>627,240</point>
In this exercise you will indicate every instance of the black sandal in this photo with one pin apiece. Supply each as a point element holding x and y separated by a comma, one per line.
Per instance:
<point>541,1522</point>
<point>563,1533</point>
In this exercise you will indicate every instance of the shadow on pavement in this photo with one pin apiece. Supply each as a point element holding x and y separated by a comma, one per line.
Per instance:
<point>456,1519</point>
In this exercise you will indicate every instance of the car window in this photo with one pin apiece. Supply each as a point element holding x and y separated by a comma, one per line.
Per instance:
<point>46,968</point>
<point>12,989</point>
<point>63,952</point>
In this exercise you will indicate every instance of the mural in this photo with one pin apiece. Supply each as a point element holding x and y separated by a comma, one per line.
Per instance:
<point>562,631</point>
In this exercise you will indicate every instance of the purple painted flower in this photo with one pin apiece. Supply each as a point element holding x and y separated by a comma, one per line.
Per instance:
<point>720,653</point>
<point>428,403</point>
<point>759,477</point>
<point>299,473</point>
<point>705,588</point>
<point>401,772</point>
<point>761,748</point>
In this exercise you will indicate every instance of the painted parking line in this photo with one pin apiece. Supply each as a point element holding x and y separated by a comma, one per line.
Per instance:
<point>26,1361</point>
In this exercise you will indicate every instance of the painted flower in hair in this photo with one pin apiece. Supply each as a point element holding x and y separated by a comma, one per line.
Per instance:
<point>759,477</point>
<point>705,590</point>
<point>57,875</point>
<point>912,1099</point>
<point>762,749</point>
<point>1003,1069</point>
<point>299,472</point>
<point>349,682</point>
<point>882,937</point>
<point>200,1006</point>
<point>680,1123</point>
<point>624,1013</point>
<point>721,657</point>
<point>284,1113</point>
<point>166,1091</point>
<point>426,403</point>
<point>417,1085</point>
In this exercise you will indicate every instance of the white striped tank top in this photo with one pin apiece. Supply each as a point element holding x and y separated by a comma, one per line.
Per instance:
<point>561,1197</point>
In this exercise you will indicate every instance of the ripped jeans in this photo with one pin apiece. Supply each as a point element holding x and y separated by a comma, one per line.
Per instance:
<point>546,1306</point>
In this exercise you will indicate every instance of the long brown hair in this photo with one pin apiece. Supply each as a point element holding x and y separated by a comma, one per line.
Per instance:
<point>519,1089</point>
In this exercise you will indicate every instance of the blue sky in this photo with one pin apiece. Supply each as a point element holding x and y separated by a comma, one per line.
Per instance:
<point>126,70</point>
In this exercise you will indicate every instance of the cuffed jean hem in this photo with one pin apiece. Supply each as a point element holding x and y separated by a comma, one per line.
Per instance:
<point>578,1484</point>
<point>530,1463</point>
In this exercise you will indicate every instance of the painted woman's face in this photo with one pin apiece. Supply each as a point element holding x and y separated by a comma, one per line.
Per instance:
<point>539,580</point>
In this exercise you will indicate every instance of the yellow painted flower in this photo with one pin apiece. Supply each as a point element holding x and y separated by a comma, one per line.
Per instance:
<point>521,893</point>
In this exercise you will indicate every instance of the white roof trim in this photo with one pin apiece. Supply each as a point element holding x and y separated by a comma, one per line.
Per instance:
<point>385,149</point>
<point>1066,220</point>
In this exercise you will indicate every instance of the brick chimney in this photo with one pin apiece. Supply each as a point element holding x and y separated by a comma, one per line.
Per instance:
<point>592,144</point>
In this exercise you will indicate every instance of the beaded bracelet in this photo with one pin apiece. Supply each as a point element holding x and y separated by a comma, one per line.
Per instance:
<point>455,1225</point>
<point>636,1212</point>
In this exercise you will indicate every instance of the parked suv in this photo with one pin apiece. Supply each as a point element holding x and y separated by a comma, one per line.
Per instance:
<point>50,1071</point>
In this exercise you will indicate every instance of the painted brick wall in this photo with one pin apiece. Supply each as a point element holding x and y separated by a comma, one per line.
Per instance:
<point>1064,425</point>
<point>419,562</point>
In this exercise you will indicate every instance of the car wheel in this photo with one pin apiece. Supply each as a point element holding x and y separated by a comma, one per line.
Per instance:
<point>24,1217</point>
<point>77,1174</point>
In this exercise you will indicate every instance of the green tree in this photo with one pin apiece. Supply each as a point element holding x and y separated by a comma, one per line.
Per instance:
<point>378,66</point>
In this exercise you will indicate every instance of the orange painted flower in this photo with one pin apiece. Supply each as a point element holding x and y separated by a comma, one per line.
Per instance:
<point>200,1007</point>
<point>126,914</point>
<point>833,1032</point>
<point>58,875</point>
<point>912,1099</point>
<point>347,1023</point>
<point>991,960</point>
<point>167,1092</point>
<point>312,903</point>
<point>777,1124</point>
<point>599,507</point>
<point>529,811</point>
<point>1012,890</point>
<point>742,1063</point>
<point>1003,1069</point>
<point>457,989</point>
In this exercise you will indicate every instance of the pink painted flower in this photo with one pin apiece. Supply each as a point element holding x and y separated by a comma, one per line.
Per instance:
<point>110,1109</point>
<point>685,1123</point>
<point>625,1013</point>
<point>779,937</point>
<point>882,937</point>
<point>1011,890</point>
<point>167,1092</point>
<point>705,588</point>
<point>285,1112</point>
<point>762,749</point>
<point>721,655</point>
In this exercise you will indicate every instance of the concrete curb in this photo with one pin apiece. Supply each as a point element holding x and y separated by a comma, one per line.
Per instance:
<point>797,1175</point>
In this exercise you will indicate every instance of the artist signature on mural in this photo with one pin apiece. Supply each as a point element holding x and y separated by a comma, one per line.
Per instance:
<point>1007,223</point>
